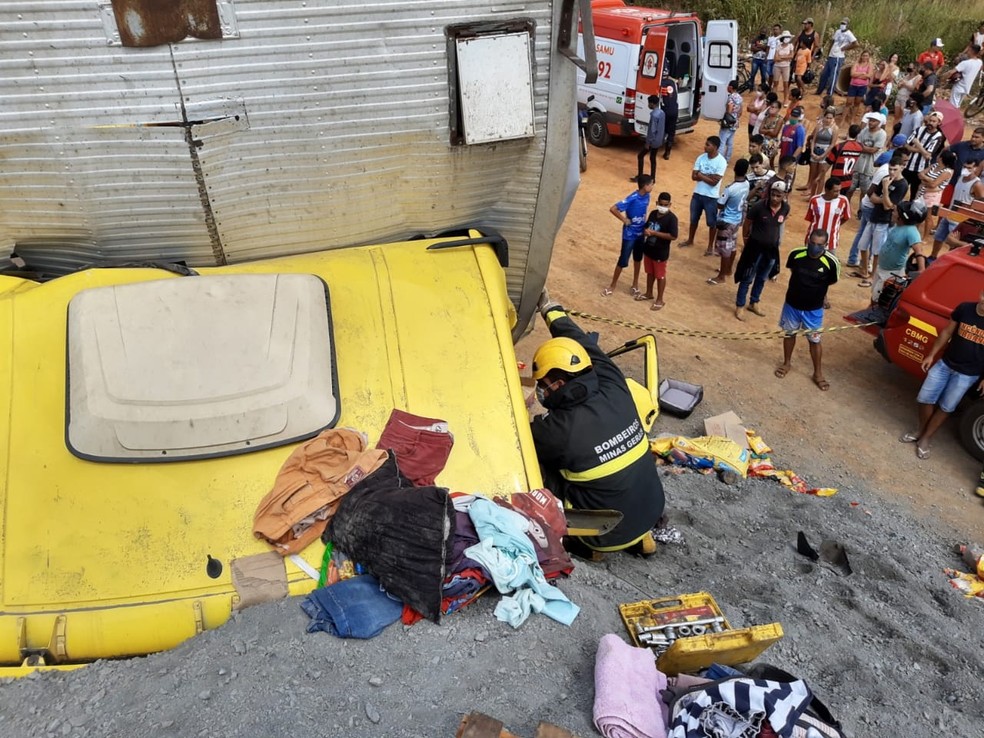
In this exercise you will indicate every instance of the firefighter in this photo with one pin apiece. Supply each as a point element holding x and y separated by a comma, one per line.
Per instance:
<point>591,442</point>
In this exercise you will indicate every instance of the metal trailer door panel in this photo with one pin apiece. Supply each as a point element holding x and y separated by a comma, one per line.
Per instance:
<point>342,136</point>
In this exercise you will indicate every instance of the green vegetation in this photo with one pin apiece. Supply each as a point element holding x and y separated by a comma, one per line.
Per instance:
<point>905,27</point>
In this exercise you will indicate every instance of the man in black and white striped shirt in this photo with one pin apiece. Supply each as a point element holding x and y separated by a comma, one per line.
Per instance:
<point>925,144</point>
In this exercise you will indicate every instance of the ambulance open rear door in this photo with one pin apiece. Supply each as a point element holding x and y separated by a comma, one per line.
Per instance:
<point>718,67</point>
<point>650,77</point>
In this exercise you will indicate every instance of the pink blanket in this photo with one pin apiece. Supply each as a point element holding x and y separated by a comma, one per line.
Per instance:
<point>627,691</point>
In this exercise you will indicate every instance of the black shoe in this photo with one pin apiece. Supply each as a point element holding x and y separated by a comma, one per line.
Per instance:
<point>666,155</point>
<point>576,547</point>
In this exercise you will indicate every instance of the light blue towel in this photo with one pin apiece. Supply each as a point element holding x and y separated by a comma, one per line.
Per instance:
<point>508,554</point>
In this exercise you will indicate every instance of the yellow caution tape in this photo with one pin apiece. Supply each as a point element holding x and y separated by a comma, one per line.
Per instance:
<point>727,335</point>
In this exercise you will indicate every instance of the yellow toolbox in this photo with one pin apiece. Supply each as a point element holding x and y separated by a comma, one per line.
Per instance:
<point>689,633</point>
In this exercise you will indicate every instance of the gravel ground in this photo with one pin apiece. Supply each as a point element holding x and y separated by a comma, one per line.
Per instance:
<point>891,645</point>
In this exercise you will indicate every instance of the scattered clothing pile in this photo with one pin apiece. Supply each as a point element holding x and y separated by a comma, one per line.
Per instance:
<point>633,699</point>
<point>400,547</point>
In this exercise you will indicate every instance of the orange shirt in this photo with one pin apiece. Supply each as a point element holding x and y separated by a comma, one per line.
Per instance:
<point>803,59</point>
<point>934,57</point>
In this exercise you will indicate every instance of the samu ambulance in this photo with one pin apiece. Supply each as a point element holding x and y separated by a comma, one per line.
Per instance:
<point>637,50</point>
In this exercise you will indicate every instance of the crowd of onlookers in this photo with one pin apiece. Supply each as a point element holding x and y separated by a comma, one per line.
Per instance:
<point>891,169</point>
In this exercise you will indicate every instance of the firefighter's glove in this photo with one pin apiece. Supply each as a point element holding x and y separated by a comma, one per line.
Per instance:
<point>545,304</point>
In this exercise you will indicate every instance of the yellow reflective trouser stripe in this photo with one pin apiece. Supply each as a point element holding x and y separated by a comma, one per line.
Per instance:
<point>552,315</point>
<point>609,467</point>
<point>610,549</point>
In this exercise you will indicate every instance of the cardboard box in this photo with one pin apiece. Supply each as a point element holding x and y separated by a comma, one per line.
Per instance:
<point>727,425</point>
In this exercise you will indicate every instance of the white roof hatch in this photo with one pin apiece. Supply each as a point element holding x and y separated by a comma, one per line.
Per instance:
<point>197,367</point>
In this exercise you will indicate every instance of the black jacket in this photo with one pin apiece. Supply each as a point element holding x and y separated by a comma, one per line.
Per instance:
<point>592,446</point>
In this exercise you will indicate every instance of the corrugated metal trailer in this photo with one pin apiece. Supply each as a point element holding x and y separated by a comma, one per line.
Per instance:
<point>224,131</point>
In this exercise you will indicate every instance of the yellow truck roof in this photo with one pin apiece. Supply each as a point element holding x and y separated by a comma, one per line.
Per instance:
<point>104,560</point>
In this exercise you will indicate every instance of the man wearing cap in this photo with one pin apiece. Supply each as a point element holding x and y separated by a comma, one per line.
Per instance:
<point>812,269</point>
<point>872,138</point>
<point>793,135</point>
<point>844,40</point>
<point>809,39</point>
<point>912,118</point>
<point>964,75</point>
<point>933,55</point>
<point>924,146</point>
<point>761,234</point>
<point>926,90</point>
<point>760,51</point>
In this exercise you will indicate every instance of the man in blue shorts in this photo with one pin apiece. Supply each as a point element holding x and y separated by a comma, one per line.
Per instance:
<point>707,173</point>
<point>812,269</point>
<point>961,367</point>
<point>631,213</point>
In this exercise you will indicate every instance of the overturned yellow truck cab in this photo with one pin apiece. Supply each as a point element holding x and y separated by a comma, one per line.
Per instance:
<point>224,229</point>
<point>130,425</point>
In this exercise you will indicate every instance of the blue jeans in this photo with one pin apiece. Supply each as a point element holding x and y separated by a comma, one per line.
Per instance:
<point>828,77</point>
<point>761,67</point>
<point>863,216</point>
<point>352,608</point>
<point>727,136</point>
<point>945,386</point>
<point>756,278</point>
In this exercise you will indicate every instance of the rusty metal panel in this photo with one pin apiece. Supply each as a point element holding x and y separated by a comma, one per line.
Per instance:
<point>157,22</point>
<point>89,169</point>
<point>343,137</point>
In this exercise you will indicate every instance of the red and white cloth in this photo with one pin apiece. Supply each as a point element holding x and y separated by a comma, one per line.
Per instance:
<point>828,215</point>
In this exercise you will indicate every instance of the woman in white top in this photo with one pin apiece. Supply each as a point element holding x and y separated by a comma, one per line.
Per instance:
<point>784,60</point>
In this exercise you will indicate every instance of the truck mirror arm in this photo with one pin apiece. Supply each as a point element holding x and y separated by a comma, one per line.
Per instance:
<point>568,33</point>
<point>493,239</point>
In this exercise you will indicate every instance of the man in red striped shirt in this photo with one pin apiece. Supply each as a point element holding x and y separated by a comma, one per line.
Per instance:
<point>827,211</point>
<point>844,156</point>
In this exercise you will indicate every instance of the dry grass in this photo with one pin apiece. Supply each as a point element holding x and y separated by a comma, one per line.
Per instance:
<point>905,27</point>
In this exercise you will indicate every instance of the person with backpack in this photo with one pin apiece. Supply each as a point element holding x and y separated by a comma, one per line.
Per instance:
<point>731,120</point>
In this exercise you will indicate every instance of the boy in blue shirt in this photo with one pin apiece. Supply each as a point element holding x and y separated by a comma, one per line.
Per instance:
<point>631,213</point>
<point>731,214</point>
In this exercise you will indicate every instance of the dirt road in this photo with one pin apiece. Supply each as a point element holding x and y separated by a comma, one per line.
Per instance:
<point>869,403</point>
